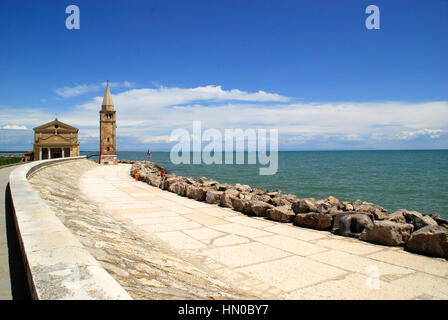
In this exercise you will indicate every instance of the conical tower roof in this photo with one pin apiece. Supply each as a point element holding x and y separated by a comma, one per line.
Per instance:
<point>107,101</point>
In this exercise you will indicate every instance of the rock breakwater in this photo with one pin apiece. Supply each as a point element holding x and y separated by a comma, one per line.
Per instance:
<point>416,232</point>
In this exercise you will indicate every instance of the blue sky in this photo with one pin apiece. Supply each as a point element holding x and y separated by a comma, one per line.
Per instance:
<point>311,69</point>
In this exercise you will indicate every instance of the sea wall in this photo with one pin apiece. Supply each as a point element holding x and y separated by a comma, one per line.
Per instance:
<point>416,232</point>
<point>56,264</point>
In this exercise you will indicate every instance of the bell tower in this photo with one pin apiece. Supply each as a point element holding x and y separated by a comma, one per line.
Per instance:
<point>108,125</point>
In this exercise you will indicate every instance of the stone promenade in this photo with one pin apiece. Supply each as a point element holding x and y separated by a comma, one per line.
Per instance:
<point>267,259</point>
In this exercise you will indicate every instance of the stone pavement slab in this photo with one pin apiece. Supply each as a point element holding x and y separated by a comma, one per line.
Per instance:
<point>272,259</point>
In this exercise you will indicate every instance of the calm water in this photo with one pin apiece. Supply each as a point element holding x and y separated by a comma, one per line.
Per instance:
<point>415,180</point>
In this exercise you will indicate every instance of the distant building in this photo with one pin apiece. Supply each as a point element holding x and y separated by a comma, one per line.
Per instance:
<point>55,139</point>
<point>108,125</point>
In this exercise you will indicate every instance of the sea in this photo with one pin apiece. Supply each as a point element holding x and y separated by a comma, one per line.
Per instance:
<point>406,179</point>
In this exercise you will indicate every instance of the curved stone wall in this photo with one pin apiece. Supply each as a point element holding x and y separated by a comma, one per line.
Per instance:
<point>56,263</point>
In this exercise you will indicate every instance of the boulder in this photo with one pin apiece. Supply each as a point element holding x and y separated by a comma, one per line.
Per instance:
<point>259,191</point>
<point>226,198</point>
<point>350,225</point>
<point>241,205</point>
<point>397,216</point>
<point>211,183</point>
<point>291,198</point>
<point>195,192</point>
<point>323,206</point>
<point>274,194</point>
<point>379,213</point>
<point>259,208</point>
<point>190,181</point>
<point>169,181</point>
<point>213,197</point>
<point>430,240</point>
<point>333,201</point>
<point>440,221</point>
<point>387,232</point>
<point>304,206</point>
<point>243,187</point>
<point>418,220</point>
<point>314,220</point>
<point>279,201</point>
<point>245,195</point>
<point>281,214</point>
<point>347,206</point>
<point>262,197</point>
<point>178,187</point>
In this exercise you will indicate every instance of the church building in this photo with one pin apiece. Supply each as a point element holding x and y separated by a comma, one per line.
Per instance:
<point>55,139</point>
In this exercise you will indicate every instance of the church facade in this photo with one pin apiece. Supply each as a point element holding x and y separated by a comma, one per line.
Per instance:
<point>55,139</point>
<point>108,125</point>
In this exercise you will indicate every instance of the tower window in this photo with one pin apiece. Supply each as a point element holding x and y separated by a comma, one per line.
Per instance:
<point>107,139</point>
<point>108,149</point>
<point>56,126</point>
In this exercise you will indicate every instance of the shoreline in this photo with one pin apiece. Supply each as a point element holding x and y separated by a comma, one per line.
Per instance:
<point>416,232</point>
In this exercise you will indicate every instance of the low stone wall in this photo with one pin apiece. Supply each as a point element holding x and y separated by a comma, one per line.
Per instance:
<point>56,263</point>
<point>416,232</point>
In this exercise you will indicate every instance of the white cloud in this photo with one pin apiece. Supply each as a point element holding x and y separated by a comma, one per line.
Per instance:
<point>81,89</point>
<point>410,135</point>
<point>155,139</point>
<point>68,92</point>
<point>14,127</point>
<point>149,115</point>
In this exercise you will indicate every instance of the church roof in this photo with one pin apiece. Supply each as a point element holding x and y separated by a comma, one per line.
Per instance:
<point>60,124</point>
<point>107,101</point>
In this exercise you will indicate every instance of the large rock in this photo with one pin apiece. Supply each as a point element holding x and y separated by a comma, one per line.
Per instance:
<point>243,187</point>
<point>347,206</point>
<point>304,206</point>
<point>350,225</point>
<point>213,197</point>
<point>245,196</point>
<point>195,192</point>
<point>259,191</point>
<point>281,214</point>
<point>279,201</point>
<point>178,187</point>
<point>314,220</point>
<point>429,240</point>
<point>259,208</point>
<point>387,232</point>
<point>262,197</point>
<point>379,213</point>
<point>241,205</point>
<point>226,198</point>
<point>169,181</point>
<point>440,221</point>
<point>397,216</point>
<point>418,220</point>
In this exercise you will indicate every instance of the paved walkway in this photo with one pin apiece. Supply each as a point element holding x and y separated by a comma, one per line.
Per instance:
<point>5,282</point>
<point>269,259</point>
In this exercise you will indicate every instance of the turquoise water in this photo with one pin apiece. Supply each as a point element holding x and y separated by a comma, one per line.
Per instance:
<point>414,180</point>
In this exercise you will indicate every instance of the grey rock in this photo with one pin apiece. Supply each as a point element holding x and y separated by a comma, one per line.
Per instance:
<point>281,214</point>
<point>213,197</point>
<point>418,220</point>
<point>397,216</point>
<point>314,220</point>
<point>226,198</point>
<point>350,225</point>
<point>304,205</point>
<point>259,208</point>
<point>387,232</point>
<point>429,240</point>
